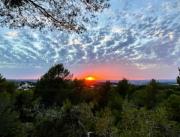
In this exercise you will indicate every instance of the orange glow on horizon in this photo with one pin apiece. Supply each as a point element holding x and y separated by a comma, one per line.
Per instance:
<point>109,71</point>
<point>90,78</point>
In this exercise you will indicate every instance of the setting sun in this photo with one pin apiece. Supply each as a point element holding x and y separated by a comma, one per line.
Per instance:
<point>90,78</point>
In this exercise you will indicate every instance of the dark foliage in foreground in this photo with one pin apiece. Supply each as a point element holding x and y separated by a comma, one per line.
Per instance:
<point>62,107</point>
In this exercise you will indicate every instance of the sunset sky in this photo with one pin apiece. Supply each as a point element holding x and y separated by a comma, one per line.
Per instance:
<point>134,39</point>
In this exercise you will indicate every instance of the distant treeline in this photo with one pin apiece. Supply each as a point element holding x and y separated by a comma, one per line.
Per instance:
<point>59,106</point>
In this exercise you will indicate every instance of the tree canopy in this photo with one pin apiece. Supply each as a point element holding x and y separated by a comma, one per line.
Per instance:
<point>57,72</point>
<point>53,87</point>
<point>71,15</point>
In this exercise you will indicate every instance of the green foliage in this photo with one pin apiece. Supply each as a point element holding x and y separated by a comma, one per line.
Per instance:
<point>146,123</point>
<point>69,121</point>
<point>10,87</point>
<point>173,107</point>
<point>123,87</point>
<point>152,90</point>
<point>6,86</point>
<point>103,93</point>
<point>105,124</point>
<point>148,96</point>
<point>61,107</point>
<point>115,102</point>
<point>10,125</point>
<point>139,98</point>
<point>24,104</point>
<point>78,87</point>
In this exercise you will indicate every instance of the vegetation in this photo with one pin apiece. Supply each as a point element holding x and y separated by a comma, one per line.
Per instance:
<point>70,15</point>
<point>178,78</point>
<point>59,106</point>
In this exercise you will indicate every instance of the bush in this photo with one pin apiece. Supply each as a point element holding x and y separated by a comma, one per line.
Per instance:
<point>24,104</point>
<point>6,86</point>
<point>173,107</point>
<point>146,123</point>
<point>65,121</point>
<point>10,126</point>
<point>148,96</point>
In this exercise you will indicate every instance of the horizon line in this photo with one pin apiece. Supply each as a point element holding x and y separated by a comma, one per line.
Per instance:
<point>97,80</point>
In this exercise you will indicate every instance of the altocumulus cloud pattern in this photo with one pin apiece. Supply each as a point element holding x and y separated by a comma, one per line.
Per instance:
<point>142,33</point>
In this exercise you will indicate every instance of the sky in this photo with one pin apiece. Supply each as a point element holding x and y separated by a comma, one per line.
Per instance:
<point>134,39</point>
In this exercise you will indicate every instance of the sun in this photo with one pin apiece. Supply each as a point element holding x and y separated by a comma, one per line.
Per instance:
<point>90,78</point>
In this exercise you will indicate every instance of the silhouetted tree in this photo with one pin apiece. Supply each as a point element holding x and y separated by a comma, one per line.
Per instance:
<point>123,87</point>
<point>152,90</point>
<point>54,86</point>
<point>62,14</point>
<point>104,92</point>
<point>2,79</point>
<point>178,77</point>
<point>78,91</point>
<point>2,83</point>
<point>57,72</point>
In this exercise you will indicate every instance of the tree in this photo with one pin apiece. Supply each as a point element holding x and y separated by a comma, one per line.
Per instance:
<point>6,86</point>
<point>62,14</point>
<point>123,87</point>
<point>57,72</point>
<point>78,90</point>
<point>2,79</point>
<point>104,92</point>
<point>54,87</point>
<point>152,90</point>
<point>178,78</point>
<point>147,96</point>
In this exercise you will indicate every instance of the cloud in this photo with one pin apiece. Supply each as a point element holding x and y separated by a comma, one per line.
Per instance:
<point>138,33</point>
<point>12,34</point>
